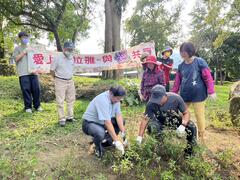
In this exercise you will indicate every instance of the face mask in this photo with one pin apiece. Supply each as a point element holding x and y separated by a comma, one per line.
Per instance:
<point>25,40</point>
<point>167,54</point>
<point>68,54</point>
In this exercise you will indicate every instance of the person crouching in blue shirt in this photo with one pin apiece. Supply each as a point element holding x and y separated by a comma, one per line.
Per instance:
<point>103,120</point>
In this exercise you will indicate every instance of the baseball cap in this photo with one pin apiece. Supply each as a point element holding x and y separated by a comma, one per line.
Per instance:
<point>68,45</point>
<point>23,33</point>
<point>157,93</point>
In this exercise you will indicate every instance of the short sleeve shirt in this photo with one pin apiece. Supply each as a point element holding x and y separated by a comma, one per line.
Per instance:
<point>22,64</point>
<point>193,88</point>
<point>174,102</point>
<point>63,66</point>
<point>101,109</point>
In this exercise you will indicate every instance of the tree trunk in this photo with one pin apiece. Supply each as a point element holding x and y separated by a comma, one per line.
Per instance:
<point>108,36</point>
<point>58,43</point>
<point>112,36</point>
<point>221,73</point>
<point>1,38</point>
<point>217,68</point>
<point>116,29</point>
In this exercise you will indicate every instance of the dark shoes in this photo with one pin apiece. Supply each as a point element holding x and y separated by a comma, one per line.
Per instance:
<point>71,120</point>
<point>99,151</point>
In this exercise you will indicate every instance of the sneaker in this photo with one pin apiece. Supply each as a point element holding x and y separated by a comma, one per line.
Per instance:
<point>99,151</point>
<point>28,110</point>
<point>71,119</point>
<point>62,122</point>
<point>39,109</point>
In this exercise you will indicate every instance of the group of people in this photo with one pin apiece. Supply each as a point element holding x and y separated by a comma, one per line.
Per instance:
<point>103,119</point>
<point>62,70</point>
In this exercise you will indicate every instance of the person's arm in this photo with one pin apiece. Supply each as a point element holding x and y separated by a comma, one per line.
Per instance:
<point>177,83</point>
<point>185,118</point>
<point>20,56</point>
<point>142,127</point>
<point>110,129</point>
<point>208,80</point>
<point>168,66</point>
<point>120,122</point>
<point>149,114</point>
<point>161,78</point>
<point>53,68</point>
<point>184,110</point>
<point>142,83</point>
<point>52,73</point>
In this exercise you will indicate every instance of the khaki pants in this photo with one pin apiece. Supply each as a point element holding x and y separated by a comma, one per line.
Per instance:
<point>199,111</point>
<point>64,89</point>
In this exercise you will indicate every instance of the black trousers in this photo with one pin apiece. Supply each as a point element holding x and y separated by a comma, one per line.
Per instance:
<point>98,132</point>
<point>31,91</point>
<point>156,126</point>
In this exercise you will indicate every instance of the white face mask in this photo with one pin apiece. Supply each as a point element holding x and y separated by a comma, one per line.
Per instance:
<point>68,54</point>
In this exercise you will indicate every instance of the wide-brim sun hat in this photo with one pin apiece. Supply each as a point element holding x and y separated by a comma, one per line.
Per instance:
<point>151,59</point>
<point>167,49</point>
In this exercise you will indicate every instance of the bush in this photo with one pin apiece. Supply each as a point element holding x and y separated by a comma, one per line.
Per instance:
<point>88,88</point>
<point>154,160</point>
<point>10,87</point>
<point>7,69</point>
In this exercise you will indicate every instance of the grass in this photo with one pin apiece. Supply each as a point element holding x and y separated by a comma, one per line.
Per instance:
<point>33,146</point>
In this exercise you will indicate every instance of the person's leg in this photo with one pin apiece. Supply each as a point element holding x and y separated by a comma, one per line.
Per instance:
<point>199,110</point>
<point>191,131</point>
<point>70,99</point>
<point>35,90</point>
<point>60,89</point>
<point>98,134</point>
<point>25,85</point>
<point>167,87</point>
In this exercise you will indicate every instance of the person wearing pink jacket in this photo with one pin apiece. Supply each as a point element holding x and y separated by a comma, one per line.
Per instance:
<point>195,83</point>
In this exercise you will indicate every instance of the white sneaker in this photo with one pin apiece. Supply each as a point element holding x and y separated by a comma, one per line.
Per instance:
<point>39,109</point>
<point>28,110</point>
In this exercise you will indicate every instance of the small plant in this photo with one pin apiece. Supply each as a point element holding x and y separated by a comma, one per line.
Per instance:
<point>225,157</point>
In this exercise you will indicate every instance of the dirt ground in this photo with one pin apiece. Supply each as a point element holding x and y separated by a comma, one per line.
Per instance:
<point>74,147</point>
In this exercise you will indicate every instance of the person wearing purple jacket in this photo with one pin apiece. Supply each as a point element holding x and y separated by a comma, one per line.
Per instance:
<point>152,76</point>
<point>195,83</point>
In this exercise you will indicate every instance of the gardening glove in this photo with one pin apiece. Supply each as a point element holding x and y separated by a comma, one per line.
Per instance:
<point>181,131</point>
<point>212,97</point>
<point>119,146</point>
<point>139,140</point>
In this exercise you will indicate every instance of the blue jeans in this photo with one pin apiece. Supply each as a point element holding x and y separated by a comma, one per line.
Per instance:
<point>31,91</point>
<point>98,131</point>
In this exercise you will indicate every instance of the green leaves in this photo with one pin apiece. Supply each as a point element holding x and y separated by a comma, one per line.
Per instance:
<point>152,21</point>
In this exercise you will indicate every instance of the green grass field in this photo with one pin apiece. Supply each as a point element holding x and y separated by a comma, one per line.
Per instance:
<point>30,142</point>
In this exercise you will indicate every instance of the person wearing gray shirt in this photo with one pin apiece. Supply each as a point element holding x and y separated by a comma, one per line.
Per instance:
<point>163,110</point>
<point>29,83</point>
